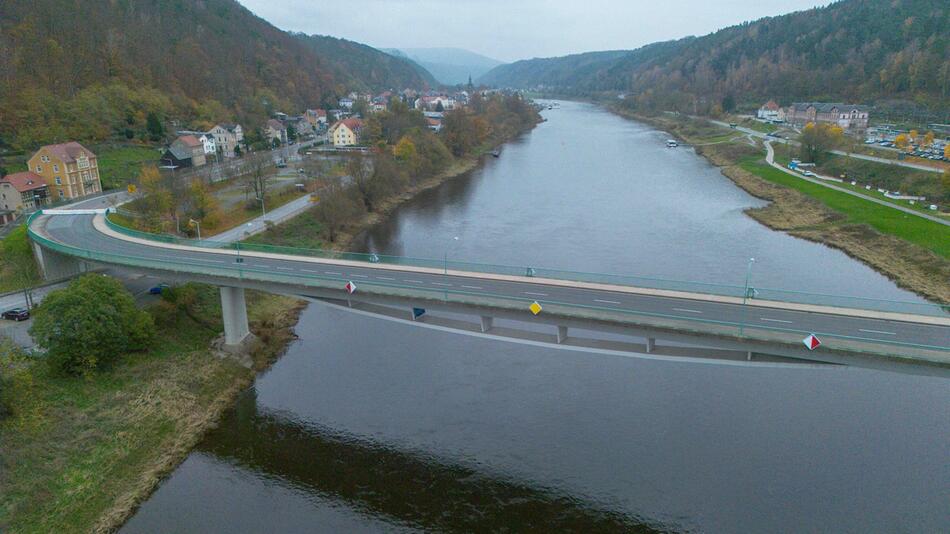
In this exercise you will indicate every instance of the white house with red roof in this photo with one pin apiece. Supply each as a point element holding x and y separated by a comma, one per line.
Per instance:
<point>346,132</point>
<point>23,192</point>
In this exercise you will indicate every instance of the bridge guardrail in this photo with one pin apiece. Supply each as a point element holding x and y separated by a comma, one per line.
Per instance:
<point>690,323</point>
<point>738,291</point>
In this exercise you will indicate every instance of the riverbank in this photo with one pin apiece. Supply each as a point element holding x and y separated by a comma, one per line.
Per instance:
<point>303,231</point>
<point>909,265</point>
<point>80,454</point>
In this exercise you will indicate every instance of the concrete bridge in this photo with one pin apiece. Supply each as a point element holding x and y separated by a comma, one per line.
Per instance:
<point>738,322</point>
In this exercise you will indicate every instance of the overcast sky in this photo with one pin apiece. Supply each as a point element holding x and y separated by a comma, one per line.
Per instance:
<point>509,30</point>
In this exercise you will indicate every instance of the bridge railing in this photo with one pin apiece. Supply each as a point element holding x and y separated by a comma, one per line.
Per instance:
<point>729,290</point>
<point>419,295</point>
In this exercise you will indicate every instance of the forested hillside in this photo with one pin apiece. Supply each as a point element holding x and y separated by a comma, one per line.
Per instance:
<point>89,70</point>
<point>855,50</point>
<point>560,72</point>
<point>363,67</point>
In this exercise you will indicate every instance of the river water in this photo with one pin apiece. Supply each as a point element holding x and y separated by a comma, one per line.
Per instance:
<point>374,425</point>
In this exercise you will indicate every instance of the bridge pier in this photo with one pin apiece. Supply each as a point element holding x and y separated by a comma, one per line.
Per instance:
<point>486,323</point>
<point>651,344</point>
<point>561,334</point>
<point>56,266</point>
<point>234,314</point>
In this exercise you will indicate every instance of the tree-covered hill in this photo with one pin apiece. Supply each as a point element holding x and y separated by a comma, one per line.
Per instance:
<point>86,70</point>
<point>855,50</point>
<point>363,67</point>
<point>563,72</point>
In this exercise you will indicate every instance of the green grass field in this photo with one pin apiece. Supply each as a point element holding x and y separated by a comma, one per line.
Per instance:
<point>118,165</point>
<point>928,234</point>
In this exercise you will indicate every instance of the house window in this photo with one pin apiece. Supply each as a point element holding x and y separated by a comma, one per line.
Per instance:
<point>55,168</point>
<point>61,195</point>
<point>59,181</point>
<point>39,169</point>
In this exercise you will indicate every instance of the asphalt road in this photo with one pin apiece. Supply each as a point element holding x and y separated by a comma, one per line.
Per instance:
<point>78,231</point>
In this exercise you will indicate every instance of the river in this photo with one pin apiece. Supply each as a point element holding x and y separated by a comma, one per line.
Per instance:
<point>374,425</point>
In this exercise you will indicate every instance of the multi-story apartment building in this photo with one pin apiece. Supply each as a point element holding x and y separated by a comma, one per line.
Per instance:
<point>69,169</point>
<point>227,137</point>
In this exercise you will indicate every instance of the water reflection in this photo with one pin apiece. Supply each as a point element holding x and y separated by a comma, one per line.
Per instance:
<point>409,487</point>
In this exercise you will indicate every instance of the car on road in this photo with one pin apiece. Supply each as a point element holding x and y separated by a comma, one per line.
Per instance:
<point>809,174</point>
<point>157,289</point>
<point>16,314</point>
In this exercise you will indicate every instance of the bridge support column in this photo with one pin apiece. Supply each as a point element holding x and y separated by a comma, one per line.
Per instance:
<point>486,323</point>
<point>56,266</point>
<point>234,313</point>
<point>561,334</point>
<point>651,344</point>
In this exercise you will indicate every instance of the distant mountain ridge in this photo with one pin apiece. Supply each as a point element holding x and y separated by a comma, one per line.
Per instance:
<point>450,66</point>
<point>854,50</point>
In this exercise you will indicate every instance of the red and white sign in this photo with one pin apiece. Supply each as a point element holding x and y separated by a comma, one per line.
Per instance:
<point>350,287</point>
<point>811,342</point>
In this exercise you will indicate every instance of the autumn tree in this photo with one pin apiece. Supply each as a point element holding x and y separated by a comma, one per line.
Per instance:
<point>405,150</point>
<point>156,200</point>
<point>817,139</point>
<point>200,204</point>
<point>901,141</point>
<point>338,206</point>
<point>928,139</point>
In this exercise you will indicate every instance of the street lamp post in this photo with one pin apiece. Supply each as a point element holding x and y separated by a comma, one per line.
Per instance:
<point>748,279</point>
<point>197,227</point>
<point>445,257</point>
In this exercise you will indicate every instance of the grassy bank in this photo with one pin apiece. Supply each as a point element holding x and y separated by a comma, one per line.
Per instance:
<point>79,454</point>
<point>913,252</point>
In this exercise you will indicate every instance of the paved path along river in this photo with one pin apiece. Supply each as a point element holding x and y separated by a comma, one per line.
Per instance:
<point>372,425</point>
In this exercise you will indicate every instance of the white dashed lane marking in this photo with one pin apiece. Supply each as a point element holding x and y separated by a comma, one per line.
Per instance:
<point>687,310</point>
<point>441,284</point>
<point>607,301</point>
<point>878,332</point>
<point>385,278</point>
<point>536,294</point>
<point>774,320</point>
<point>471,287</point>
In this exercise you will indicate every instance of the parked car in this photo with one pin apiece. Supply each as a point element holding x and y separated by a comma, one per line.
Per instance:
<point>157,289</point>
<point>16,314</point>
<point>809,174</point>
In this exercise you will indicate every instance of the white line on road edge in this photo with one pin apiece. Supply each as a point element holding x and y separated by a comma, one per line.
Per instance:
<point>536,294</point>
<point>441,284</point>
<point>386,278</point>
<point>415,281</point>
<point>774,320</point>
<point>687,310</point>
<point>878,332</point>
<point>607,301</point>
<point>471,287</point>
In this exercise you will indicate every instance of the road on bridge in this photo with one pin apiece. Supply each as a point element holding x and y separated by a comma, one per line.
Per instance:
<point>81,232</point>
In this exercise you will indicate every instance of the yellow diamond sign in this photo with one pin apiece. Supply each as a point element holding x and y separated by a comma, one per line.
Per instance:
<point>535,307</point>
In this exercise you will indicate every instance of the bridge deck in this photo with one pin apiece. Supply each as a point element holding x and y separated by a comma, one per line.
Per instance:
<point>89,237</point>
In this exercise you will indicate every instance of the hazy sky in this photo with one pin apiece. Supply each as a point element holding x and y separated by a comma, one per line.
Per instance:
<point>509,30</point>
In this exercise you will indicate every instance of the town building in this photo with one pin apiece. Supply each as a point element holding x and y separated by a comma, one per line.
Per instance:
<point>346,103</point>
<point>227,137</point>
<point>23,192</point>
<point>770,111</point>
<point>207,140</point>
<point>434,124</point>
<point>274,130</point>
<point>346,132</point>
<point>69,169</point>
<point>435,103</point>
<point>317,118</point>
<point>185,151</point>
<point>851,117</point>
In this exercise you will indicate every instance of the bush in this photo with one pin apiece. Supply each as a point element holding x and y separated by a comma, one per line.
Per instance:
<point>89,324</point>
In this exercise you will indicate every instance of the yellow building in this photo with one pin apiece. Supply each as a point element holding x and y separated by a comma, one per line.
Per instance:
<point>346,132</point>
<point>70,169</point>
